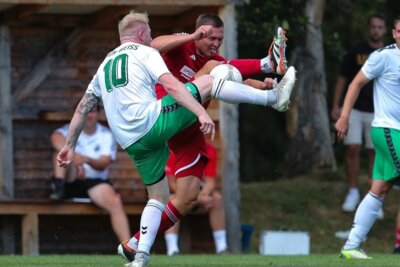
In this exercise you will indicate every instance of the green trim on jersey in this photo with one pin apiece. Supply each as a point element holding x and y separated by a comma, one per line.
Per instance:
<point>150,153</point>
<point>387,153</point>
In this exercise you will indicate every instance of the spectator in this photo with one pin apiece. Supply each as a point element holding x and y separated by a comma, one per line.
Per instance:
<point>87,177</point>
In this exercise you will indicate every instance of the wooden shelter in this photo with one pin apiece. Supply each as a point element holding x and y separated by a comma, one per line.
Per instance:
<point>49,50</point>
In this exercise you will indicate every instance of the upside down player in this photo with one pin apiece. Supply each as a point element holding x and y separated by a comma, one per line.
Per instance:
<point>185,55</point>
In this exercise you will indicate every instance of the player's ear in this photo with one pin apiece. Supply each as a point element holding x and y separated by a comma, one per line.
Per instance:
<point>140,34</point>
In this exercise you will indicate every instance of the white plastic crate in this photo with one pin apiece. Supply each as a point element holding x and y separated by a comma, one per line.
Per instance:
<point>284,243</point>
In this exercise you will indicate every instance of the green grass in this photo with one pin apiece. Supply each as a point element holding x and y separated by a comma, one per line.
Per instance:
<point>199,260</point>
<point>313,204</point>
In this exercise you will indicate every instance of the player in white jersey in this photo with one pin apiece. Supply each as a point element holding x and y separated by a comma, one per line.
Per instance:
<point>382,66</point>
<point>125,82</point>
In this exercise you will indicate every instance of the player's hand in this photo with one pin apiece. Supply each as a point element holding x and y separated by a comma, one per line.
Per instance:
<point>202,32</point>
<point>270,83</point>
<point>205,200</point>
<point>207,125</point>
<point>65,156</point>
<point>341,127</point>
<point>80,171</point>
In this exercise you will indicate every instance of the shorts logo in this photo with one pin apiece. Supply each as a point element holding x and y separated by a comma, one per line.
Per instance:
<point>187,72</point>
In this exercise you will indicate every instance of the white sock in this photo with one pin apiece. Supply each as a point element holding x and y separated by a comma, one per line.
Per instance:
<point>266,64</point>
<point>236,93</point>
<point>171,241</point>
<point>354,191</point>
<point>364,219</point>
<point>220,241</point>
<point>149,224</point>
<point>133,243</point>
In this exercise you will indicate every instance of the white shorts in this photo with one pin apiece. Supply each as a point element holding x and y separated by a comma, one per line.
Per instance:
<point>359,123</point>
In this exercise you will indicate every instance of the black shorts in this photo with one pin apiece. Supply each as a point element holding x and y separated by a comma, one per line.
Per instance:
<point>80,187</point>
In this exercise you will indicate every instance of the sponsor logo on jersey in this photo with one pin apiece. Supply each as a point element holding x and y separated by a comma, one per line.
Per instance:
<point>187,72</point>
<point>193,57</point>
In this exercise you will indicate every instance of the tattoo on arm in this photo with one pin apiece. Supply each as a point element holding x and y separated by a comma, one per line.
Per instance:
<point>87,103</point>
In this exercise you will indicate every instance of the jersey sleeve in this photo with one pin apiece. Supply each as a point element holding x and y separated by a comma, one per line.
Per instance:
<point>94,86</point>
<point>156,65</point>
<point>374,65</point>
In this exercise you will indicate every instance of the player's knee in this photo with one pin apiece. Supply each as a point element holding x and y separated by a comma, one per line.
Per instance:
<point>187,201</point>
<point>204,85</point>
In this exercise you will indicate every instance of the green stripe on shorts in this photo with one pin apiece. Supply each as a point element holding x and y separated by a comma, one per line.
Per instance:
<point>150,153</point>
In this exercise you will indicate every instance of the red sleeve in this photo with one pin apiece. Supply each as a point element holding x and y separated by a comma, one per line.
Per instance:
<point>211,167</point>
<point>247,67</point>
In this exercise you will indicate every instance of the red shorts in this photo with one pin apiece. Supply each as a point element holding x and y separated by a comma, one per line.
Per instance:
<point>190,150</point>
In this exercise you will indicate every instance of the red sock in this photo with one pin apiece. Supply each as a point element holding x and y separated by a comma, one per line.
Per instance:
<point>168,218</point>
<point>247,67</point>
<point>398,237</point>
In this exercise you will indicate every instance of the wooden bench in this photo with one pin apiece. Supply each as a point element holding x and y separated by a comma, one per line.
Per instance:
<point>31,209</point>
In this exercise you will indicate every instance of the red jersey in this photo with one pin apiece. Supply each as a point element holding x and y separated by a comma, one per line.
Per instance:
<point>183,62</point>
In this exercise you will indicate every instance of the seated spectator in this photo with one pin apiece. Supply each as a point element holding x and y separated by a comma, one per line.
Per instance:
<point>87,176</point>
<point>209,199</point>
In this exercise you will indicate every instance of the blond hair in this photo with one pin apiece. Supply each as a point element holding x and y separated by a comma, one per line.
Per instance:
<point>130,20</point>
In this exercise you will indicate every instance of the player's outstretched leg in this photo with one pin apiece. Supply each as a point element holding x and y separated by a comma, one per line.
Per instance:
<point>277,51</point>
<point>284,90</point>
<point>235,93</point>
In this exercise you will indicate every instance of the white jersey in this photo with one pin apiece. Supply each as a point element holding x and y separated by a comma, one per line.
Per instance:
<point>101,143</point>
<point>383,66</point>
<point>125,81</point>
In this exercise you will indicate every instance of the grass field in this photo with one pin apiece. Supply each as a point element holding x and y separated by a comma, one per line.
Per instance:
<point>312,203</point>
<point>199,260</point>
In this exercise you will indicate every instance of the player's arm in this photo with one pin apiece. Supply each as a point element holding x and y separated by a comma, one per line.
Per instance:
<point>268,83</point>
<point>206,69</point>
<point>181,94</point>
<point>87,103</point>
<point>205,195</point>
<point>57,140</point>
<point>165,43</point>
<point>351,96</point>
<point>340,84</point>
